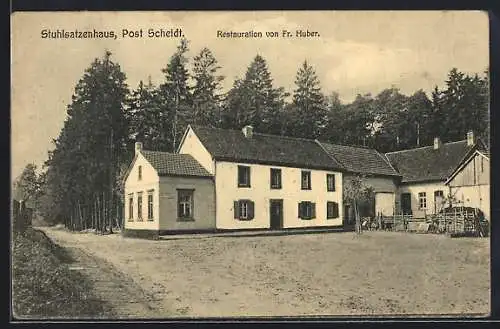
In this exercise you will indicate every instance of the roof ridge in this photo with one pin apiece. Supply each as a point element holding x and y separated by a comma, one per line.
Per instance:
<point>423,147</point>
<point>286,137</point>
<point>353,146</point>
<point>257,133</point>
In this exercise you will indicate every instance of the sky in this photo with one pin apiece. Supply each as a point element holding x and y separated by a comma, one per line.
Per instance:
<point>356,52</point>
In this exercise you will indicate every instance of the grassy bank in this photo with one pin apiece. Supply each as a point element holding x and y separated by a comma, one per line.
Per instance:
<point>43,286</point>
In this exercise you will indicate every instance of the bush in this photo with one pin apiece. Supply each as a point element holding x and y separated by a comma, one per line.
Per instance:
<point>43,286</point>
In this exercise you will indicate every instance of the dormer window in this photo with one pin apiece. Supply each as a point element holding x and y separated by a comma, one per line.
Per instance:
<point>139,173</point>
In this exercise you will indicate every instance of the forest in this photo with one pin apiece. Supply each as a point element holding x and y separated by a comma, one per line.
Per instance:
<point>80,185</point>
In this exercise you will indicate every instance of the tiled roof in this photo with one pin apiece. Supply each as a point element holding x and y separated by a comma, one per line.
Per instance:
<point>232,145</point>
<point>426,164</point>
<point>175,164</point>
<point>360,160</point>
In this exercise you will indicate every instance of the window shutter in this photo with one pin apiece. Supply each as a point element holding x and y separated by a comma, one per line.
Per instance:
<point>313,210</point>
<point>250,209</point>
<point>236,207</point>
<point>300,209</point>
<point>249,176</point>
<point>335,210</point>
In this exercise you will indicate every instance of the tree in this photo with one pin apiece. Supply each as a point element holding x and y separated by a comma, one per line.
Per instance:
<point>359,126</point>
<point>93,143</point>
<point>309,103</point>
<point>176,95</point>
<point>462,106</point>
<point>356,192</point>
<point>206,90</point>
<point>146,117</point>
<point>336,120</point>
<point>27,185</point>
<point>254,101</point>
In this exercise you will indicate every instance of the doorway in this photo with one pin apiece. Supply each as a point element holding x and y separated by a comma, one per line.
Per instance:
<point>276,213</point>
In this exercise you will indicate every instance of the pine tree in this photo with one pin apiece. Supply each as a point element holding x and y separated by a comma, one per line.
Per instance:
<point>92,145</point>
<point>176,95</point>
<point>309,103</point>
<point>254,101</point>
<point>206,91</point>
<point>146,117</point>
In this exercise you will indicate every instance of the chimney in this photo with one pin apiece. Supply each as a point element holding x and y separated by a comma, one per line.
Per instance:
<point>138,147</point>
<point>247,131</point>
<point>437,143</point>
<point>470,138</point>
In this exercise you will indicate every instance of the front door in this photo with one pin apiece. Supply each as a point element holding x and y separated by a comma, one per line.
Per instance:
<point>406,203</point>
<point>276,213</point>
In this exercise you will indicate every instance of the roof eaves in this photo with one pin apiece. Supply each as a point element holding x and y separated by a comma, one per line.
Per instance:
<point>276,163</point>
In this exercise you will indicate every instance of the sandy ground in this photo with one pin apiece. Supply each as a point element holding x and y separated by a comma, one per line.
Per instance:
<point>377,273</point>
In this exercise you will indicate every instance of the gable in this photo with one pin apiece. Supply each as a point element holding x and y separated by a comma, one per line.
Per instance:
<point>149,173</point>
<point>473,170</point>
<point>191,144</point>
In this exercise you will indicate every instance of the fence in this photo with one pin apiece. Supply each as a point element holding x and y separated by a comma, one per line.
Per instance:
<point>457,221</point>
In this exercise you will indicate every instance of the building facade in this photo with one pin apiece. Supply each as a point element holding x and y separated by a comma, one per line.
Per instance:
<point>167,192</point>
<point>265,181</point>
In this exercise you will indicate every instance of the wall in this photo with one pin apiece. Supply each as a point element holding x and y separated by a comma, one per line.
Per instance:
<point>149,181</point>
<point>471,174</point>
<point>203,203</point>
<point>416,188</point>
<point>260,193</point>
<point>474,196</point>
<point>192,145</point>
<point>381,186</point>
<point>471,185</point>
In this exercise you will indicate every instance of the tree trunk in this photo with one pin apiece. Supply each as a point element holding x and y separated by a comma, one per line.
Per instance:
<point>357,217</point>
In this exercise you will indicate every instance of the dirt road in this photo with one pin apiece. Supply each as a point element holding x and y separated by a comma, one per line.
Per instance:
<point>315,274</point>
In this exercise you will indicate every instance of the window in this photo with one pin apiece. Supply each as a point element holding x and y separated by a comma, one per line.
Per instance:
<point>139,206</point>
<point>330,182</point>
<point>185,204</point>
<point>422,200</point>
<point>306,180</point>
<point>244,209</point>
<point>243,176</point>
<point>275,178</point>
<point>332,210</point>
<point>482,164</point>
<point>307,210</point>
<point>150,205</point>
<point>139,173</point>
<point>130,207</point>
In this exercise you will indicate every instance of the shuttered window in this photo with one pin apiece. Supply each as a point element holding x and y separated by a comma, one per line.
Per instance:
<point>307,210</point>
<point>244,209</point>
<point>332,210</point>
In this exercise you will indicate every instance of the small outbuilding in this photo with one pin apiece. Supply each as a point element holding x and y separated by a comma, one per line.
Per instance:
<point>166,192</point>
